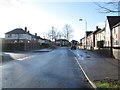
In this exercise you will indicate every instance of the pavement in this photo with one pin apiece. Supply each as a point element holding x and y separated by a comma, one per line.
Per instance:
<point>98,67</point>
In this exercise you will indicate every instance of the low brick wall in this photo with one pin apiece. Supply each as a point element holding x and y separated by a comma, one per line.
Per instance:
<point>116,53</point>
<point>19,46</point>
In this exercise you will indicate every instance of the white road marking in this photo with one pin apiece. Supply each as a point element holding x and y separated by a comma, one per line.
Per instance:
<point>26,57</point>
<point>92,84</point>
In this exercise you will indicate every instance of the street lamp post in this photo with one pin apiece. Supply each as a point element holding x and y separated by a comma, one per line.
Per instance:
<point>85,33</point>
<point>85,30</point>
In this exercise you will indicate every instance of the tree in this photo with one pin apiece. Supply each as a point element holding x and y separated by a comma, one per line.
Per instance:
<point>67,32</point>
<point>109,7</point>
<point>59,35</point>
<point>52,34</point>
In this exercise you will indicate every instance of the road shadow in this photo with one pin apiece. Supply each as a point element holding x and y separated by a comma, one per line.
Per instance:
<point>6,58</point>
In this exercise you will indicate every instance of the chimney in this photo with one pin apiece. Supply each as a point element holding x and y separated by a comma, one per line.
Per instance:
<point>25,29</point>
<point>28,31</point>
<point>35,34</point>
<point>96,27</point>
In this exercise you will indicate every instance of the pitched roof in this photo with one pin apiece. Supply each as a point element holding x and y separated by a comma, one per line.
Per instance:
<point>99,29</point>
<point>38,37</point>
<point>113,20</point>
<point>17,31</point>
<point>62,40</point>
<point>118,24</point>
<point>89,32</point>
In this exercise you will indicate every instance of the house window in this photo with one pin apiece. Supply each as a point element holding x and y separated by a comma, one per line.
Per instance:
<point>15,35</point>
<point>21,35</point>
<point>114,31</point>
<point>9,35</point>
<point>116,42</point>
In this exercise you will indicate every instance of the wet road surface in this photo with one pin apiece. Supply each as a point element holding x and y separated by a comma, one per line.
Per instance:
<point>55,69</point>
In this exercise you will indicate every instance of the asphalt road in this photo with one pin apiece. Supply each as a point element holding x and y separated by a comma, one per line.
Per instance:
<point>54,69</point>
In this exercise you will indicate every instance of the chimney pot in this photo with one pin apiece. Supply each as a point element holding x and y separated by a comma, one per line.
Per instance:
<point>35,34</point>
<point>25,29</point>
<point>96,27</point>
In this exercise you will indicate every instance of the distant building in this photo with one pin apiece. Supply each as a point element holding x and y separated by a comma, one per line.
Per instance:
<point>62,42</point>
<point>106,39</point>
<point>74,42</point>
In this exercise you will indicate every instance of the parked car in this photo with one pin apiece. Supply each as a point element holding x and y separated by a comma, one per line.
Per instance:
<point>73,47</point>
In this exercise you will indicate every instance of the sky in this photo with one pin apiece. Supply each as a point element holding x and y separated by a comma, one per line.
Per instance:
<point>40,17</point>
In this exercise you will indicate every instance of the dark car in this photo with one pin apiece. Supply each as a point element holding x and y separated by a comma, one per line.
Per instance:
<point>73,47</point>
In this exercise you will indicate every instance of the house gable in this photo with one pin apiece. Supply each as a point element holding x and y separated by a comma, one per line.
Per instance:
<point>113,20</point>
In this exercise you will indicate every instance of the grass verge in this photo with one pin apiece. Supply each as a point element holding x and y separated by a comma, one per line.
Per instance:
<point>108,83</point>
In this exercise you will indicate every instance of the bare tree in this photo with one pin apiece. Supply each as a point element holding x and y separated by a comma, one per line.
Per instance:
<point>109,7</point>
<point>52,34</point>
<point>67,32</point>
<point>59,35</point>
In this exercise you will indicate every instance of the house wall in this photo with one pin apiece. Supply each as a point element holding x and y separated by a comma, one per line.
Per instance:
<point>99,36</point>
<point>90,42</point>
<point>102,35</point>
<point>96,39</point>
<point>41,41</point>
<point>107,35</point>
<point>116,53</point>
<point>116,42</point>
<point>116,37</point>
<point>18,36</point>
<point>83,43</point>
